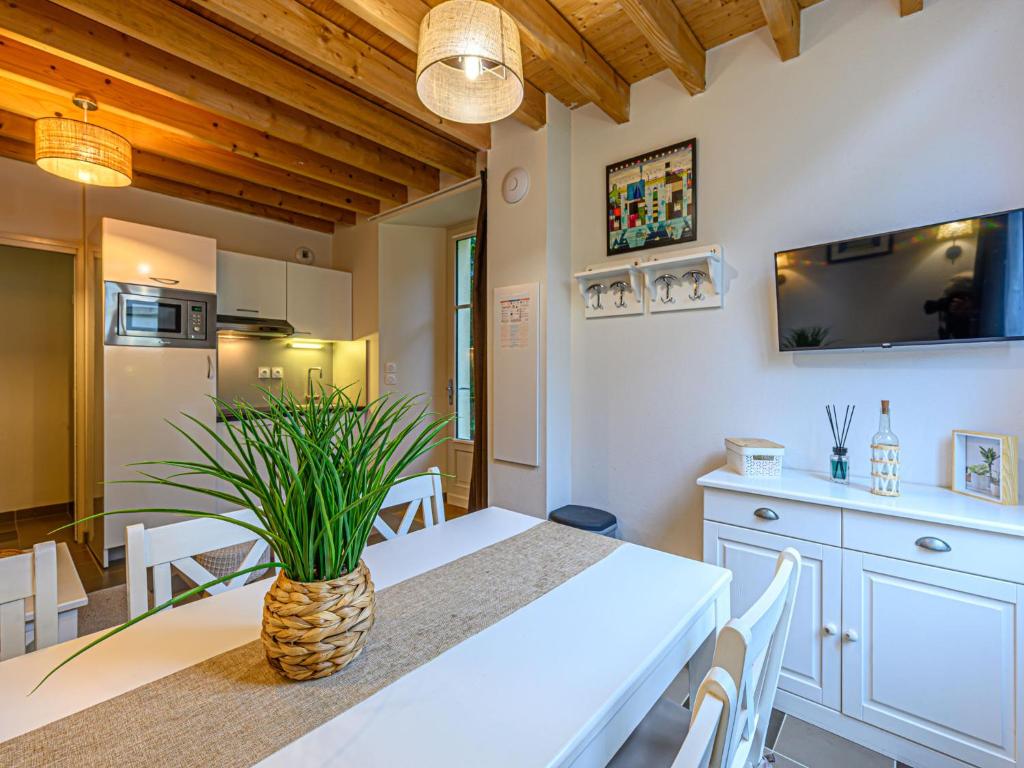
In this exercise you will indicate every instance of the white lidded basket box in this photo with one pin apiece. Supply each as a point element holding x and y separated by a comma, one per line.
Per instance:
<point>754,457</point>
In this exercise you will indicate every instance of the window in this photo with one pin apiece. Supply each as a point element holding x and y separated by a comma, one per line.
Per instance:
<point>465,252</point>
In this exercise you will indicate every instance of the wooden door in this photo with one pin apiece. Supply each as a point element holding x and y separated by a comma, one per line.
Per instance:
<point>811,666</point>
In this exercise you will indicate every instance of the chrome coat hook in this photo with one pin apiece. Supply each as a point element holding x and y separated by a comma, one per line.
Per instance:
<point>596,290</point>
<point>620,287</point>
<point>668,281</point>
<point>698,277</point>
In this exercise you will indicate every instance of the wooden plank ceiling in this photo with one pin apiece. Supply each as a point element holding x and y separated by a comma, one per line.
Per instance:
<point>305,111</point>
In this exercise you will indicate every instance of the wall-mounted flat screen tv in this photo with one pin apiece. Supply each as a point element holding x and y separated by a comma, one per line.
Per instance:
<point>959,281</point>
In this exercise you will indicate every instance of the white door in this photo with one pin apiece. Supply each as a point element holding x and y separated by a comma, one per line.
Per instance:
<point>144,387</point>
<point>320,302</point>
<point>811,666</point>
<point>462,252</point>
<point>250,286</point>
<point>931,655</point>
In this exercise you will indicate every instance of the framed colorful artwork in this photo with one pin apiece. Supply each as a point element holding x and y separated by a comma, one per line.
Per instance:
<point>985,466</point>
<point>652,199</point>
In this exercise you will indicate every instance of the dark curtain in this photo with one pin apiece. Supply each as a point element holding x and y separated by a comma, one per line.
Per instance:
<point>478,482</point>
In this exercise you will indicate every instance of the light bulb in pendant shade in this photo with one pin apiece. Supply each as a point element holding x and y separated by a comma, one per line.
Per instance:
<point>472,67</point>
<point>469,67</point>
<point>81,151</point>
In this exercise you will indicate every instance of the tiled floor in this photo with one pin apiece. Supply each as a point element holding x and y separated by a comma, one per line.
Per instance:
<point>793,743</point>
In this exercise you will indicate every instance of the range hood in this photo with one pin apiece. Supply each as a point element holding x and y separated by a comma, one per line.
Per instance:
<point>253,327</point>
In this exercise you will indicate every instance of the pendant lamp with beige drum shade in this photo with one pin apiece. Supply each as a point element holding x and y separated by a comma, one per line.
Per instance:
<point>82,151</point>
<point>469,66</point>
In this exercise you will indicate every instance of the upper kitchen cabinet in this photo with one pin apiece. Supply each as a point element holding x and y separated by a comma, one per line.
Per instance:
<point>251,286</point>
<point>143,255</point>
<point>320,302</point>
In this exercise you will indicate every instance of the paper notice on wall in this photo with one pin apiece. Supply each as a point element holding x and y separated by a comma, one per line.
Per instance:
<point>515,322</point>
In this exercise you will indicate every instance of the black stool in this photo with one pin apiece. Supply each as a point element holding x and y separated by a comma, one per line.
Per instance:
<point>587,519</point>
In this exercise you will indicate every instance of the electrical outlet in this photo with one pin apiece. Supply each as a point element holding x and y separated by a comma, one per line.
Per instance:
<point>391,379</point>
<point>263,372</point>
<point>390,367</point>
<point>277,372</point>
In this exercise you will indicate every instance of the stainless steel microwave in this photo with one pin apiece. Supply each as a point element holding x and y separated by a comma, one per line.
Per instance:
<point>146,316</point>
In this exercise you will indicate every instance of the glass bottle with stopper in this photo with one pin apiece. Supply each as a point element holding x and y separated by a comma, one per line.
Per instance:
<point>885,456</point>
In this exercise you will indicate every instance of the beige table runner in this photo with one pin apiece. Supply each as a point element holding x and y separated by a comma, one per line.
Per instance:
<point>233,710</point>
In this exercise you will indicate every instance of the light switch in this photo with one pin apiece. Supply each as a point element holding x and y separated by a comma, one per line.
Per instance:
<point>277,372</point>
<point>391,379</point>
<point>390,367</point>
<point>263,372</point>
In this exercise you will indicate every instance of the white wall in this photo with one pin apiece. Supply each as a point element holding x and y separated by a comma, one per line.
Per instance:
<point>880,123</point>
<point>529,243</point>
<point>39,204</point>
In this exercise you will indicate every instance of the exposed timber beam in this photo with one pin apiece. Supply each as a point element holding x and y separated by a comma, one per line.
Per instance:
<point>23,99</point>
<point>49,27</point>
<point>783,17</point>
<point>187,35</point>
<point>664,27</point>
<point>908,7</point>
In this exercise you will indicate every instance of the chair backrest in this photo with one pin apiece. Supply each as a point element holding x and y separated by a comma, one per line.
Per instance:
<point>177,545</point>
<point>714,710</point>
<point>423,492</point>
<point>750,649</point>
<point>32,574</point>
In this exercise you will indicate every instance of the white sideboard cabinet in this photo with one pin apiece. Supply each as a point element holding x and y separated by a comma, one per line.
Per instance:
<point>907,632</point>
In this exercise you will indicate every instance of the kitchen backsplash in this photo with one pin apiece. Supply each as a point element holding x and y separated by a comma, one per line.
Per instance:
<point>239,361</point>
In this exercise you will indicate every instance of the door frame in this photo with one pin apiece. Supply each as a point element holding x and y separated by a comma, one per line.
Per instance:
<point>83,394</point>
<point>457,495</point>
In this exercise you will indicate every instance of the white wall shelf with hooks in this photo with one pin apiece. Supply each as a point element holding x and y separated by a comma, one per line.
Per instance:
<point>611,290</point>
<point>690,279</point>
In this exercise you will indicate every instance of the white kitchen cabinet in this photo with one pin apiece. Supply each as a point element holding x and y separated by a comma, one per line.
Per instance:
<point>144,255</point>
<point>251,286</point>
<point>320,302</point>
<point>811,665</point>
<point>932,655</point>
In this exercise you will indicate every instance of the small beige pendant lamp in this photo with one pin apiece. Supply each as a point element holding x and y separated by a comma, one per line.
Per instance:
<point>83,152</point>
<point>469,67</point>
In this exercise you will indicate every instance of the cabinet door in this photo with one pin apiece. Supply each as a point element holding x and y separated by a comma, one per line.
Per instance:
<point>144,255</point>
<point>931,655</point>
<point>249,286</point>
<point>810,667</point>
<point>320,302</point>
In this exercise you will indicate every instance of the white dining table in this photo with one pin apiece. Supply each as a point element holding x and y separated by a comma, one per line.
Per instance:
<point>561,682</point>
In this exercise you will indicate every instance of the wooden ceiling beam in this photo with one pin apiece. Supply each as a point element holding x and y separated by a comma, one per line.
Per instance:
<point>663,26</point>
<point>23,151</point>
<point>325,45</point>
<point>23,99</point>
<point>908,7</point>
<point>45,70</point>
<point>46,26</point>
<point>188,36</point>
<point>555,40</point>
<point>783,17</point>
<point>400,21</point>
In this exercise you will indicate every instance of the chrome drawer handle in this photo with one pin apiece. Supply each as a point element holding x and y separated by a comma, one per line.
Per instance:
<point>165,280</point>
<point>933,544</point>
<point>766,514</point>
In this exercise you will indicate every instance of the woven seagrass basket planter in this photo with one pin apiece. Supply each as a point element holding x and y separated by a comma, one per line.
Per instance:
<point>313,629</point>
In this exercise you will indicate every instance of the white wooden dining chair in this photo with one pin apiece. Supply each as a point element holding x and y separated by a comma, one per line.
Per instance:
<point>32,574</point>
<point>417,493</point>
<point>747,662</point>
<point>177,545</point>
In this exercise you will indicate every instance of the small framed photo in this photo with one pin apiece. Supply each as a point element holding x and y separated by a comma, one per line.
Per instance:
<point>985,466</point>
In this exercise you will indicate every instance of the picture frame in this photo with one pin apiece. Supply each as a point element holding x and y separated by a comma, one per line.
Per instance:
<point>651,199</point>
<point>985,466</point>
<point>859,248</point>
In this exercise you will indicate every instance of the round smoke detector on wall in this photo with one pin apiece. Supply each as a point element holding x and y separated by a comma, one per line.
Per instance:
<point>304,255</point>
<point>515,185</point>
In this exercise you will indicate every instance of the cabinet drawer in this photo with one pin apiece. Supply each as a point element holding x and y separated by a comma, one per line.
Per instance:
<point>812,522</point>
<point>970,551</point>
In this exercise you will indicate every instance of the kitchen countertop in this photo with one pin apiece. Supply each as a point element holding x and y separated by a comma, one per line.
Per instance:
<point>263,409</point>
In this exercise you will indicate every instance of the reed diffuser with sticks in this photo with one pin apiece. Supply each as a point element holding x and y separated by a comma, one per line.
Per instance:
<point>839,462</point>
